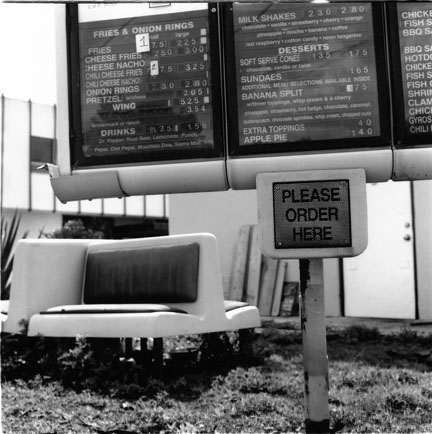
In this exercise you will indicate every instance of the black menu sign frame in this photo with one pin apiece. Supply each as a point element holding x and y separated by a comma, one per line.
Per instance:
<point>144,89</point>
<point>410,39</point>
<point>306,77</point>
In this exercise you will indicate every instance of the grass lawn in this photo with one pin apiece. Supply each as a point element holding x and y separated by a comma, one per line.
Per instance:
<point>377,384</point>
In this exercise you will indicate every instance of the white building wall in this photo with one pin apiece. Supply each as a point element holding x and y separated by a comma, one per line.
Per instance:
<point>15,151</point>
<point>220,213</point>
<point>423,246</point>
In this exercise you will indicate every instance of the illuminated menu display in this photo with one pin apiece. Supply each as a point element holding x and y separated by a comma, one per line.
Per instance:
<point>145,86</point>
<point>415,39</point>
<point>305,73</point>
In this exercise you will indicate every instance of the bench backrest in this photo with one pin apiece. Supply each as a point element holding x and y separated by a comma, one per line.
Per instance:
<point>50,273</point>
<point>181,271</point>
<point>156,274</point>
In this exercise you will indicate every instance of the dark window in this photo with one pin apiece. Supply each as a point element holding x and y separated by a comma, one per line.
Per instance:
<point>41,151</point>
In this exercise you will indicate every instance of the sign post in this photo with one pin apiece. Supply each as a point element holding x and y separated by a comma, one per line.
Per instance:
<point>309,216</point>
<point>315,363</point>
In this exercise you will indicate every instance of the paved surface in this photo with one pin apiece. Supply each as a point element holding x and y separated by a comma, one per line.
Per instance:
<point>385,326</point>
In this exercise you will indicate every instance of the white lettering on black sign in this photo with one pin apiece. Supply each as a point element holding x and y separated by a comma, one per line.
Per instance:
<point>312,214</point>
<point>305,72</point>
<point>146,84</point>
<point>415,37</point>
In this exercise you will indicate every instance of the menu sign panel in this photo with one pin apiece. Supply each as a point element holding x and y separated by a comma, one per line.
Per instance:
<point>146,87</point>
<point>415,40</point>
<point>312,214</point>
<point>305,73</point>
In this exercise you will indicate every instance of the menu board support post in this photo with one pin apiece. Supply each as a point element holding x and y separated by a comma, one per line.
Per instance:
<point>315,362</point>
<point>311,215</point>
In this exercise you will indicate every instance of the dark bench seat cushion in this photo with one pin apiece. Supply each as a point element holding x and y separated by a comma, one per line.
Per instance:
<point>159,274</point>
<point>103,308</point>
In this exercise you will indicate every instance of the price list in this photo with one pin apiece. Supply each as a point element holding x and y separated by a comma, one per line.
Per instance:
<point>305,72</point>
<point>415,38</point>
<point>145,85</point>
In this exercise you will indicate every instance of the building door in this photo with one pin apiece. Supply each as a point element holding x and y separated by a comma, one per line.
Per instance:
<point>380,282</point>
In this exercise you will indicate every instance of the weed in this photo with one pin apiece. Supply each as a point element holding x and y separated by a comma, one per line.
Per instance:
<point>9,233</point>
<point>254,381</point>
<point>427,392</point>
<point>400,401</point>
<point>406,377</point>
<point>256,404</point>
<point>357,333</point>
<point>217,350</point>
<point>407,335</point>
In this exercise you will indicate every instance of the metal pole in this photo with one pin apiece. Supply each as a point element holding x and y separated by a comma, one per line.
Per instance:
<point>2,126</point>
<point>315,362</point>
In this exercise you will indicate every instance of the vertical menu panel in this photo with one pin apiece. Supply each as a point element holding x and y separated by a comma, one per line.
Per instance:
<point>306,77</point>
<point>146,89</point>
<point>412,64</point>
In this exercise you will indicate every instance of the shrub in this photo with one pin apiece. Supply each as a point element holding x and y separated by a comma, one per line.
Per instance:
<point>357,333</point>
<point>74,229</point>
<point>9,232</point>
<point>217,350</point>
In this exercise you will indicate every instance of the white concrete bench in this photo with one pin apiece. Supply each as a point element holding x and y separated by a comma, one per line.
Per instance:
<point>149,287</point>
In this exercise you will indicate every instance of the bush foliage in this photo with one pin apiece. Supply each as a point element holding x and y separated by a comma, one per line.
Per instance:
<point>74,229</point>
<point>9,234</point>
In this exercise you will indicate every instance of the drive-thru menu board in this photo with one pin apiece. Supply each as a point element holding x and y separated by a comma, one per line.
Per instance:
<point>414,55</point>
<point>146,87</point>
<point>305,73</point>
